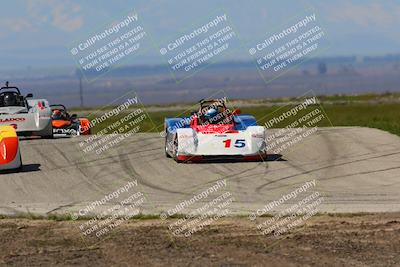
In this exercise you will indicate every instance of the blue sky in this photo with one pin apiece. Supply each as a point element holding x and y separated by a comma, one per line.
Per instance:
<point>37,33</point>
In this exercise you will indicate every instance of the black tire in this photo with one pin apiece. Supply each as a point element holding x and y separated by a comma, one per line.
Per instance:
<point>165,149</point>
<point>18,169</point>
<point>48,136</point>
<point>175,149</point>
<point>49,133</point>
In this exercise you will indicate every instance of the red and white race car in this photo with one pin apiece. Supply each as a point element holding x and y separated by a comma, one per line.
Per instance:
<point>214,132</point>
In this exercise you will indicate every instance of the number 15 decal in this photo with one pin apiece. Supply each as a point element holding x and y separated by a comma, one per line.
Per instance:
<point>239,143</point>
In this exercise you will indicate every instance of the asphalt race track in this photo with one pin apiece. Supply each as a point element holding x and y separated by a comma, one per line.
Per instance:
<point>356,169</point>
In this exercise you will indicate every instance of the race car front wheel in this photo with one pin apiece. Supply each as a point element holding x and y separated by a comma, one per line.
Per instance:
<point>51,136</point>
<point>175,149</point>
<point>166,148</point>
<point>20,167</point>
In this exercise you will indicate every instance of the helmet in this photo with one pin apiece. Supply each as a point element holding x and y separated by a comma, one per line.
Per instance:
<point>211,113</point>
<point>56,114</point>
<point>9,100</point>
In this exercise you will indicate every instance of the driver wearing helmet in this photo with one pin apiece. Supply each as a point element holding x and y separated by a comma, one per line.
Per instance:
<point>9,100</point>
<point>210,114</point>
<point>57,115</point>
<point>213,116</point>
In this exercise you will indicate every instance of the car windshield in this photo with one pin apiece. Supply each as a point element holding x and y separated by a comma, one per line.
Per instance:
<point>11,99</point>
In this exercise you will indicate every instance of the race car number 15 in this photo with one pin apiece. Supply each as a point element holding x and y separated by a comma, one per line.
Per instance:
<point>239,143</point>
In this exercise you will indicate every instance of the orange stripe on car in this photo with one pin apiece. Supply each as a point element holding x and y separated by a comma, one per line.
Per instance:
<point>60,123</point>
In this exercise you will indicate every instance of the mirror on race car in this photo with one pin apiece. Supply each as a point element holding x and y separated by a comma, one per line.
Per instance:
<point>29,95</point>
<point>74,116</point>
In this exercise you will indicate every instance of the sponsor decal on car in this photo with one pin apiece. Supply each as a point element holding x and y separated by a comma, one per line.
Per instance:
<point>6,120</point>
<point>41,105</point>
<point>65,131</point>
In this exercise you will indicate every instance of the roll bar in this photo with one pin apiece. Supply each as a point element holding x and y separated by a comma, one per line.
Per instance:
<point>10,87</point>
<point>58,105</point>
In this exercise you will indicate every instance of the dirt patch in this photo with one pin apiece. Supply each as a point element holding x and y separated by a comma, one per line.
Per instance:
<point>372,240</point>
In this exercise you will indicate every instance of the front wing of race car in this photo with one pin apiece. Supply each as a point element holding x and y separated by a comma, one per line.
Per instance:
<point>65,131</point>
<point>248,144</point>
<point>10,156</point>
<point>63,128</point>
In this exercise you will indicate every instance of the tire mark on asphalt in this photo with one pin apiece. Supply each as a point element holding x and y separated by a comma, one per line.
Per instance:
<point>128,167</point>
<point>325,167</point>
